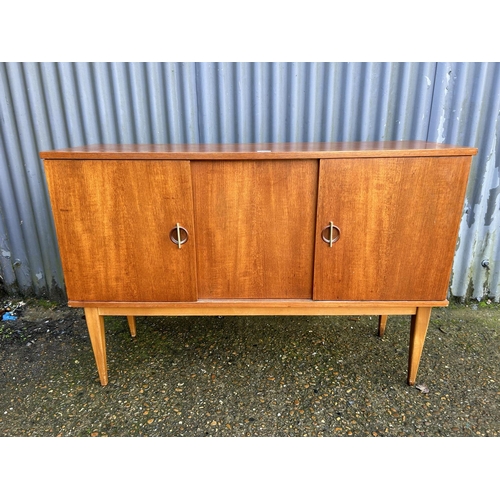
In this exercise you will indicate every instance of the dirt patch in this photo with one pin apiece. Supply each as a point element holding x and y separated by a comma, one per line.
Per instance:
<point>32,310</point>
<point>21,319</point>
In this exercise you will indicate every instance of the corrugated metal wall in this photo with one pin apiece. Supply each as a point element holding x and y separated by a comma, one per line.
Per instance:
<point>54,105</point>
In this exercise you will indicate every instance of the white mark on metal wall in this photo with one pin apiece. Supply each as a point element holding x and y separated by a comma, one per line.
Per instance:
<point>441,129</point>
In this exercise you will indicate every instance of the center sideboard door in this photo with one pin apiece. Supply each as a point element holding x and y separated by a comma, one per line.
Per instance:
<point>113,220</point>
<point>387,227</point>
<point>255,223</point>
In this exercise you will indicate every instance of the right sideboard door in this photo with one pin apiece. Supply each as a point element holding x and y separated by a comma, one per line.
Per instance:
<point>387,228</point>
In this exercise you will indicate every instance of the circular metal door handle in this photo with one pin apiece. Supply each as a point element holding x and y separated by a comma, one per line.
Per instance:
<point>330,234</point>
<point>179,235</point>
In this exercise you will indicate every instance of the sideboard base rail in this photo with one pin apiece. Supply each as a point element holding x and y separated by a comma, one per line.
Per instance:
<point>250,307</point>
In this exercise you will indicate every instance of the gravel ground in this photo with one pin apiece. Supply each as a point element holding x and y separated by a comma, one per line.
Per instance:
<point>249,376</point>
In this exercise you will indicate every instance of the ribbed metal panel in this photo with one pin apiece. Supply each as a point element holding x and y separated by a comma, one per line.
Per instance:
<point>54,105</point>
<point>467,111</point>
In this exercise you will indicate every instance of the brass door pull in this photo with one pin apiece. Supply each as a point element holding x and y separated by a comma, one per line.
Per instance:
<point>179,235</point>
<point>330,234</point>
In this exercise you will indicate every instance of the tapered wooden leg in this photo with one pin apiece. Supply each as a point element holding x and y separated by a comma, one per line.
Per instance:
<point>131,325</point>
<point>419,324</point>
<point>382,321</point>
<point>95,325</point>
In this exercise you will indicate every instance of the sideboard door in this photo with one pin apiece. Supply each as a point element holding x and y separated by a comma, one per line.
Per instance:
<point>255,224</point>
<point>387,227</point>
<point>116,223</point>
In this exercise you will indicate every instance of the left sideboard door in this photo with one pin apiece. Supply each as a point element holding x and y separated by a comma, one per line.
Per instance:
<point>114,222</point>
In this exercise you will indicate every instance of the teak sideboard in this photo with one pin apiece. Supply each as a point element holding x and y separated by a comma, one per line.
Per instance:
<point>258,229</point>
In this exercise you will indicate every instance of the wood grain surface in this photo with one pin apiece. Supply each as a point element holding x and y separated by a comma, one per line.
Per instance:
<point>255,223</point>
<point>258,151</point>
<point>113,220</point>
<point>399,220</point>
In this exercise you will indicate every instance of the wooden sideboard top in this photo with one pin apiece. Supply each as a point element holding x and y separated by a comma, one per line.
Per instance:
<point>258,151</point>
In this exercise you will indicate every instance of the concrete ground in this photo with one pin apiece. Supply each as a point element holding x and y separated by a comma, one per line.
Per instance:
<point>249,376</point>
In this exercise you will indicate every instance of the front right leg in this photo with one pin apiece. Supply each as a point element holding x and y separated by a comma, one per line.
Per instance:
<point>418,331</point>
<point>95,325</point>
